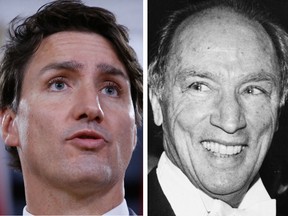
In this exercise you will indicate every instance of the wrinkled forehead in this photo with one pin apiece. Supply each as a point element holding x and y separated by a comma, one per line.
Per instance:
<point>215,26</point>
<point>225,35</point>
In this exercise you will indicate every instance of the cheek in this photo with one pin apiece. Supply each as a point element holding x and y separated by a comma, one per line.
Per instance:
<point>124,145</point>
<point>182,118</point>
<point>23,122</point>
<point>186,114</point>
<point>124,130</point>
<point>36,125</point>
<point>31,136</point>
<point>261,126</point>
<point>262,119</point>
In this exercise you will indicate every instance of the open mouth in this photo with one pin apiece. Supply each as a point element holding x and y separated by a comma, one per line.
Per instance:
<point>87,137</point>
<point>222,150</point>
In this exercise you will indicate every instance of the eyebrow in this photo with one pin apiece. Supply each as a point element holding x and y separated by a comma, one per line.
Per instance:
<point>182,76</point>
<point>262,76</point>
<point>66,65</point>
<point>111,70</point>
<point>76,66</point>
<point>253,77</point>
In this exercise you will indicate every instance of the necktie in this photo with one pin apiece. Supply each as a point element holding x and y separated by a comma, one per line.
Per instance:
<point>266,208</point>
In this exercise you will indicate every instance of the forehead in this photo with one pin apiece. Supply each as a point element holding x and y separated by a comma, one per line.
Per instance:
<point>218,22</point>
<point>220,30</point>
<point>83,47</point>
<point>222,42</point>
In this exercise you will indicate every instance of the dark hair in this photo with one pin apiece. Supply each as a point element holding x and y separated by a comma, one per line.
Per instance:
<point>64,15</point>
<point>248,9</point>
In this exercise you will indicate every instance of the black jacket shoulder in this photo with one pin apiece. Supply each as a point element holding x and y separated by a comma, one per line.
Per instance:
<point>157,201</point>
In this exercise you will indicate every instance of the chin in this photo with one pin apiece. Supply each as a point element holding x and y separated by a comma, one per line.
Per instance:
<point>90,179</point>
<point>88,171</point>
<point>225,187</point>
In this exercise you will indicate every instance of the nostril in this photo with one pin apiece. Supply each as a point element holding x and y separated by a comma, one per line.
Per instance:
<point>89,110</point>
<point>83,116</point>
<point>98,119</point>
<point>97,116</point>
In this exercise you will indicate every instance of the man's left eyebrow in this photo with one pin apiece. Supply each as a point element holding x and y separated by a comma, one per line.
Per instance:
<point>262,76</point>
<point>111,70</point>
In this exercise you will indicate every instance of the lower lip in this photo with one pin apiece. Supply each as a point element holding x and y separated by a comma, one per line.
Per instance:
<point>88,144</point>
<point>224,155</point>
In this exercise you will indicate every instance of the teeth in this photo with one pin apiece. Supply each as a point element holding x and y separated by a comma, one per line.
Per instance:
<point>222,150</point>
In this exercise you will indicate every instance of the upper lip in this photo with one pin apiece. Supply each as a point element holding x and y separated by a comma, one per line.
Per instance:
<point>234,142</point>
<point>86,134</point>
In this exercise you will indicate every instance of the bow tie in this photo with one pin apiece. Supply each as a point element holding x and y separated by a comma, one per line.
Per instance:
<point>266,208</point>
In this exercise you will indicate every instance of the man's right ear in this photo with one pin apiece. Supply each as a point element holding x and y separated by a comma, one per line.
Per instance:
<point>9,128</point>
<point>156,107</point>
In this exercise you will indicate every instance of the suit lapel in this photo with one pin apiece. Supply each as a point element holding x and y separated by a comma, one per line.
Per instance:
<point>157,201</point>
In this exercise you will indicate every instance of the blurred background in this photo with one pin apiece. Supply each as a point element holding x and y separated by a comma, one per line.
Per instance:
<point>128,13</point>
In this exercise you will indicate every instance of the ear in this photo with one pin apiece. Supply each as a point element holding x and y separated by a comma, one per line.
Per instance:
<point>157,111</point>
<point>9,128</point>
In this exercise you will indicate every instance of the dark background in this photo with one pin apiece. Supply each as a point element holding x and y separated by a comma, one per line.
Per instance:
<point>274,171</point>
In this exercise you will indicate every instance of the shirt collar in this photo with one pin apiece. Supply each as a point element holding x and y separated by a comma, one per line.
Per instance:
<point>121,209</point>
<point>184,197</point>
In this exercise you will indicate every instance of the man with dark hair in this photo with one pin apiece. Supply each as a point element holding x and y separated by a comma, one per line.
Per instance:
<point>217,84</point>
<point>71,101</point>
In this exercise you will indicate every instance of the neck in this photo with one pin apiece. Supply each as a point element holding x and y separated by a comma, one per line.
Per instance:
<point>46,199</point>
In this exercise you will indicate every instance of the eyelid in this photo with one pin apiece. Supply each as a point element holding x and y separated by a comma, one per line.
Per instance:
<point>186,79</point>
<point>191,84</point>
<point>253,87</point>
<point>265,87</point>
<point>57,79</point>
<point>53,80</point>
<point>113,84</point>
<point>198,83</point>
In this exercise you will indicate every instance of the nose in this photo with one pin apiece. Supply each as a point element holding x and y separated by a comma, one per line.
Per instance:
<point>228,114</point>
<point>88,106</point>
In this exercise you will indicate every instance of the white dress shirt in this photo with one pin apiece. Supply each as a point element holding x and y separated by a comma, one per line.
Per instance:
<point>121,209</point>
<point>185,198</point>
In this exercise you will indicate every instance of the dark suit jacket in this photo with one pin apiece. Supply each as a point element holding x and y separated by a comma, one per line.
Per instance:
<point>157,202</point>
<point>159,205</point>
<point>131,212</point>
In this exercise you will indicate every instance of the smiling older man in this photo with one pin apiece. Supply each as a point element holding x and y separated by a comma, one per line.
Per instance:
<point>216,86</point>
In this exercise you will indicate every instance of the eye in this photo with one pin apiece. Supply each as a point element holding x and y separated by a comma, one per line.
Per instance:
<point>198,86</point>
<point>57,84</point>
<point>254,90</point>
<point>111,89</point>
